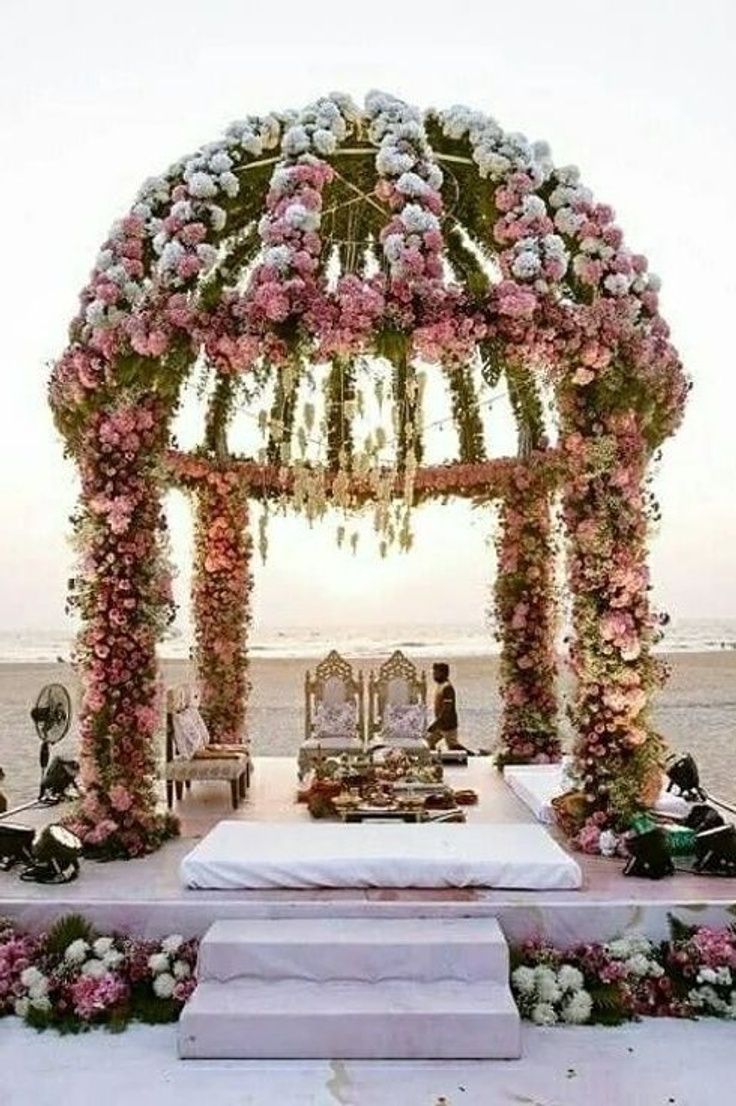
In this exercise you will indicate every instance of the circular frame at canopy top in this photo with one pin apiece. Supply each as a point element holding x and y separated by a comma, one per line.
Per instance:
<point>386,243</point>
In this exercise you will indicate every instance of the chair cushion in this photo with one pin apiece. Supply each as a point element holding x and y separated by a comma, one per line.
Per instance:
<point>338,720</point>
<point>190,732</point>
<point>404,722</point>
<point>206,769</point>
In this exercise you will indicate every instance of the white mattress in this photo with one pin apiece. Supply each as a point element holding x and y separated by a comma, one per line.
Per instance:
<point>538,784</point>
<point>236,855</point>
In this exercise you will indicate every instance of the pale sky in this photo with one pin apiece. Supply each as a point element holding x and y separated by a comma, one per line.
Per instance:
<point>96,97</point>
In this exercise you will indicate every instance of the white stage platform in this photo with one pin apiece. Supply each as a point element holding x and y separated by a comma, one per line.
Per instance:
<point>241,855</point>
<point>538,784</point>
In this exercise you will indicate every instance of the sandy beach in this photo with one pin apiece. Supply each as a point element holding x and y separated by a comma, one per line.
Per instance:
<point>696,711</point>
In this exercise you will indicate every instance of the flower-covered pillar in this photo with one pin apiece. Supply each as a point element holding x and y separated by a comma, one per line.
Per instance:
<point>221,587</point>
<point>123,594</point>
<point>526,618</point>
<point>605,511</point>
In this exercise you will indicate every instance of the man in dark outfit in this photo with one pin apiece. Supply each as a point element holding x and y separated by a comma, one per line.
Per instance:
<point>444,727</point>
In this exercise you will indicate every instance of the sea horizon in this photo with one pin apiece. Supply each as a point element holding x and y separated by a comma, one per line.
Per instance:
<point>687,635</point>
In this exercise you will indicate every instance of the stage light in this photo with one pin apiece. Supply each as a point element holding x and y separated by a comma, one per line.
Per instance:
<point>56,852</point>
<point>715,851</point>
<point>703,817</point>
<point>683,774</point>
<point>15,845</point>
<point>650,856</point>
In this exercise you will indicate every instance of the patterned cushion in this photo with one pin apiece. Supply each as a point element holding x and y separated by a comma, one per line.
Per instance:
<point>404,722</point>
<point>339,720</point>
<point>208,769</point>
<point>190,732</point>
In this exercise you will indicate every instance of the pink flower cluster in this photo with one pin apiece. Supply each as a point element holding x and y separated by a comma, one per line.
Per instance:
<point>17,952</point>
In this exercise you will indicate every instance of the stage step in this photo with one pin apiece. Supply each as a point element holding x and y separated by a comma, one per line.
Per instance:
<point>419,949</point>
<point>341,988</point>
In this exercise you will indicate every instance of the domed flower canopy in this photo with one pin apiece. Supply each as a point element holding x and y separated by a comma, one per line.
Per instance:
<point>321,269</point>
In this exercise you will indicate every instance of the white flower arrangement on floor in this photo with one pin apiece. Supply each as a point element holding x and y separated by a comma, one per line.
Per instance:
<point>548,995</point>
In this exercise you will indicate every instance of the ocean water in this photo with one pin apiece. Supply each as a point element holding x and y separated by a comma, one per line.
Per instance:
<point>681,636</point>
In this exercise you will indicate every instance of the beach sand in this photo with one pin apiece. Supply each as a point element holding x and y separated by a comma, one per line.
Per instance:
<point>695,712</point>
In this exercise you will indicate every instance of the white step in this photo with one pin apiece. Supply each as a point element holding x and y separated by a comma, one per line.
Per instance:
<point>293,1019</point>
<point>419,949</point>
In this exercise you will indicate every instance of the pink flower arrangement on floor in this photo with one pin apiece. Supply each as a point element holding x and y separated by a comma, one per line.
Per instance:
<point>71,978</point>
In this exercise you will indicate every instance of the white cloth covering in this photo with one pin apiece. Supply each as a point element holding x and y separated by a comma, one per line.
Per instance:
<point>538,784</point>
<point>237,855</point>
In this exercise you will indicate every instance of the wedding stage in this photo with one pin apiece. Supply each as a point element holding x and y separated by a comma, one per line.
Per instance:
<point>146,896</point>
<point>518,856</point>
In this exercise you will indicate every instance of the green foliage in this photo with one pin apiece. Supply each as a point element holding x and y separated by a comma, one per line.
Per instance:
<point>466,413</point>
<point>69,928</point>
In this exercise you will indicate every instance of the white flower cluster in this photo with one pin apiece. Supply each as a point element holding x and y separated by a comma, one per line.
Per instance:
<point>36,986</point>
<point>496,153</point>
<point>320,127</point>
<point>637,955</point>
<point>537,260</point>
<point>405,158</point>
<point>705,997</point>
<point>548,996</point>
<point>94,959</point>
<point>166,969</point>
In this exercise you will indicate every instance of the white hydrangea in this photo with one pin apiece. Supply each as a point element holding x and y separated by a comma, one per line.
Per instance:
<point>229,184</point>
<point>172,943</point>
<point>102,946</point>
<point>392,162</point>
<point>201,185</point>
<point>77,951</point>
<point>568,221</point>
<point>526,264</point>
<point>301,217</point>
<point>533,207</point>
<point>411,184</point>
<point>172,254</point>
<point>221,162</point>
<point>163,985</point>
<point>418,220</point>
<point>324,141</point>
<point>218,217</point>
<point>617,284</point>
<point>95,313</point>
<point>207,254</point>
<point>104,260</point>
<point>278,257</point>
<point>295,141</point>
<point>393,245</point>
<point>35,982</point>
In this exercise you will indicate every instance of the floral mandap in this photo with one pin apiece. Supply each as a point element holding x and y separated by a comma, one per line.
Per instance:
<point>321,270</point>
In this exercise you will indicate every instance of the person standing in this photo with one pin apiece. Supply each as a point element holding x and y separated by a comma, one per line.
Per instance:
<point>445,724</point>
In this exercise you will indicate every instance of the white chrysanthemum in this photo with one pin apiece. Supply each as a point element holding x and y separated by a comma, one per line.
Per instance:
<point>548,989</point>
<point>34,981</point>
<point>707,975</point>
<point>102,946</point>
<point>524,980</point>
<point>578,1008</point>
<point>181,969</point>
<point>172,943</point>
<point>608,843</point>
<point>570,978</point>
<point>158,962</point>
<point>544,1014</point>
<point>163,985</point>
<point>76,952</point>
<point>201,185</point>
<point>94,968</point>
<point>295,141</point>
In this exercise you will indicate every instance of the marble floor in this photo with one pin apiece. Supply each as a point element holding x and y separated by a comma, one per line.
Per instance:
<point>646,1064</point>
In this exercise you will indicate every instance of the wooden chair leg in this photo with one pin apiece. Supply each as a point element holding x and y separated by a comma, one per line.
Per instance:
<point>234,793</point>
<point>242,785</point>
<point>188,784</point>
<point>169,794</point>
<point>179,788</point>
